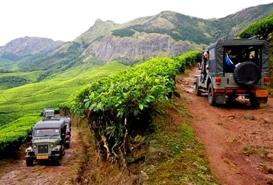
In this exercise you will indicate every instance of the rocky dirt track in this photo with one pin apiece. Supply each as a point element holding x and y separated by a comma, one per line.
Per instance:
<point>15,172</point>
<point>238,139</point>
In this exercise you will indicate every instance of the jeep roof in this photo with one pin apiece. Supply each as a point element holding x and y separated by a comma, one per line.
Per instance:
<point>218,67</point>
<point>47,123</point>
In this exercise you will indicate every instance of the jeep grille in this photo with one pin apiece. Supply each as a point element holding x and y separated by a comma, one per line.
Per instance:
<point>42,148</point>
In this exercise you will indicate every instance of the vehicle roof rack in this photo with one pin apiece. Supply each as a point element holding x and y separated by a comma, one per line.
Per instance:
<point>228,37</point>
<point>51,119</point>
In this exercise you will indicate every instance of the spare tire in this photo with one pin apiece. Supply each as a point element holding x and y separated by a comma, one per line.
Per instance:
<point>247,73</point>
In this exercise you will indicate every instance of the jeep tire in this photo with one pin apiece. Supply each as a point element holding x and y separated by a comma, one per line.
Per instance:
<point>29,162</point>
<point>196,89</point>
<point>211,95</point>
<point>247,73</point>
<point>67,145</point>
<point>58,161</point>
<point>254,102</point>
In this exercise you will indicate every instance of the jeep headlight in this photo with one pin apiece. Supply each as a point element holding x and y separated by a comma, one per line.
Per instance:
<point>51,145</point>
<point>34,145</point>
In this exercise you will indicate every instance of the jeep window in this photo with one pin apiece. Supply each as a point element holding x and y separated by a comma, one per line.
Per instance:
<point>46,132</point>
<point>242,54</point>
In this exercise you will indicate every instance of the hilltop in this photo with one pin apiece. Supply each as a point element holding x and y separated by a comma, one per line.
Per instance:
<point>164,34</point>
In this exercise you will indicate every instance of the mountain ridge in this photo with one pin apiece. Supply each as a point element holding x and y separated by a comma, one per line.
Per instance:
<point>167,33</point>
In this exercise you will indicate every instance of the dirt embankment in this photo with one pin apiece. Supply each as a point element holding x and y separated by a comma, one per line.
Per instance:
<point>238,139</point>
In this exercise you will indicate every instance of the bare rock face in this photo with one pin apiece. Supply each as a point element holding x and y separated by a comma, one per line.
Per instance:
<point>21,47</point>
<point>137,47</point>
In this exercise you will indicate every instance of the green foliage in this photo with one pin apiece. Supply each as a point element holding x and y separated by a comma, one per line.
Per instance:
<point>184,30</point>
<point>13,135</point>
<point>33,97</point>
<point>5,65</point>
<point>115,101</point>
<point>261,28</point>
<point>12,81</point>
<point>126,32</point>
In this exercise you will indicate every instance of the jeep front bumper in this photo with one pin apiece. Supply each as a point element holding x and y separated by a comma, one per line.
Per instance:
<point>43,157</point>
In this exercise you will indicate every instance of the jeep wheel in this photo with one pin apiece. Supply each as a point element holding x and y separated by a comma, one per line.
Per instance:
<point>254,102</point>
<point>211,95</point>
<point>247,73</point>
<point>67,145</point>
<point>58,161</point>
<point>29,162</point>
<point>196,90</point>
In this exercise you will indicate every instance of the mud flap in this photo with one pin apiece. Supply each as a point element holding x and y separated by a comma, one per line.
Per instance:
<point>262,100</point>
<point>220,98</point>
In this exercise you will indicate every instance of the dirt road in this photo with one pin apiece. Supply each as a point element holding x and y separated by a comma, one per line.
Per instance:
<point>15,172</point>
<point>238,139</point>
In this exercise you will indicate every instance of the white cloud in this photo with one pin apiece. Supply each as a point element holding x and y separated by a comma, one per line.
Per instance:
<point>67,19</point>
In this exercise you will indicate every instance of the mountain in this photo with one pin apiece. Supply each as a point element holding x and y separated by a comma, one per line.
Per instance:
<point>165,34</point>
<point>27,46</point>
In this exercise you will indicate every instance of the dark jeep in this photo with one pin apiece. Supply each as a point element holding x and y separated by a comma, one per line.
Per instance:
<point>48,139</point>
<point>67,122</point>
<point>49,114</point>
<point>250,78</point>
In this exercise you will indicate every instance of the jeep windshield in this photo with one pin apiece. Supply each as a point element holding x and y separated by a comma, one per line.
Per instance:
<point>46,132</point>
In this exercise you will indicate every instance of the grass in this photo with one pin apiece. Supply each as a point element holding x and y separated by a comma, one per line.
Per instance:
<point>255,150</point>
<point>188,163</point>
<point>28,75</point>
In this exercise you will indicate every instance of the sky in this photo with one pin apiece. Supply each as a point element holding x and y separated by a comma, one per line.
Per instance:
<point>65,20</point>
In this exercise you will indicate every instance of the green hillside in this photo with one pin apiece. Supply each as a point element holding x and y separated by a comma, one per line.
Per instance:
<point>33,97</point>
<point>15,79</point>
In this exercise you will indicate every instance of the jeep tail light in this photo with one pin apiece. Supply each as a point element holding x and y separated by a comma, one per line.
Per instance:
<point>229,91</point>
<point>218,80</point>
<point>266,80</point>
